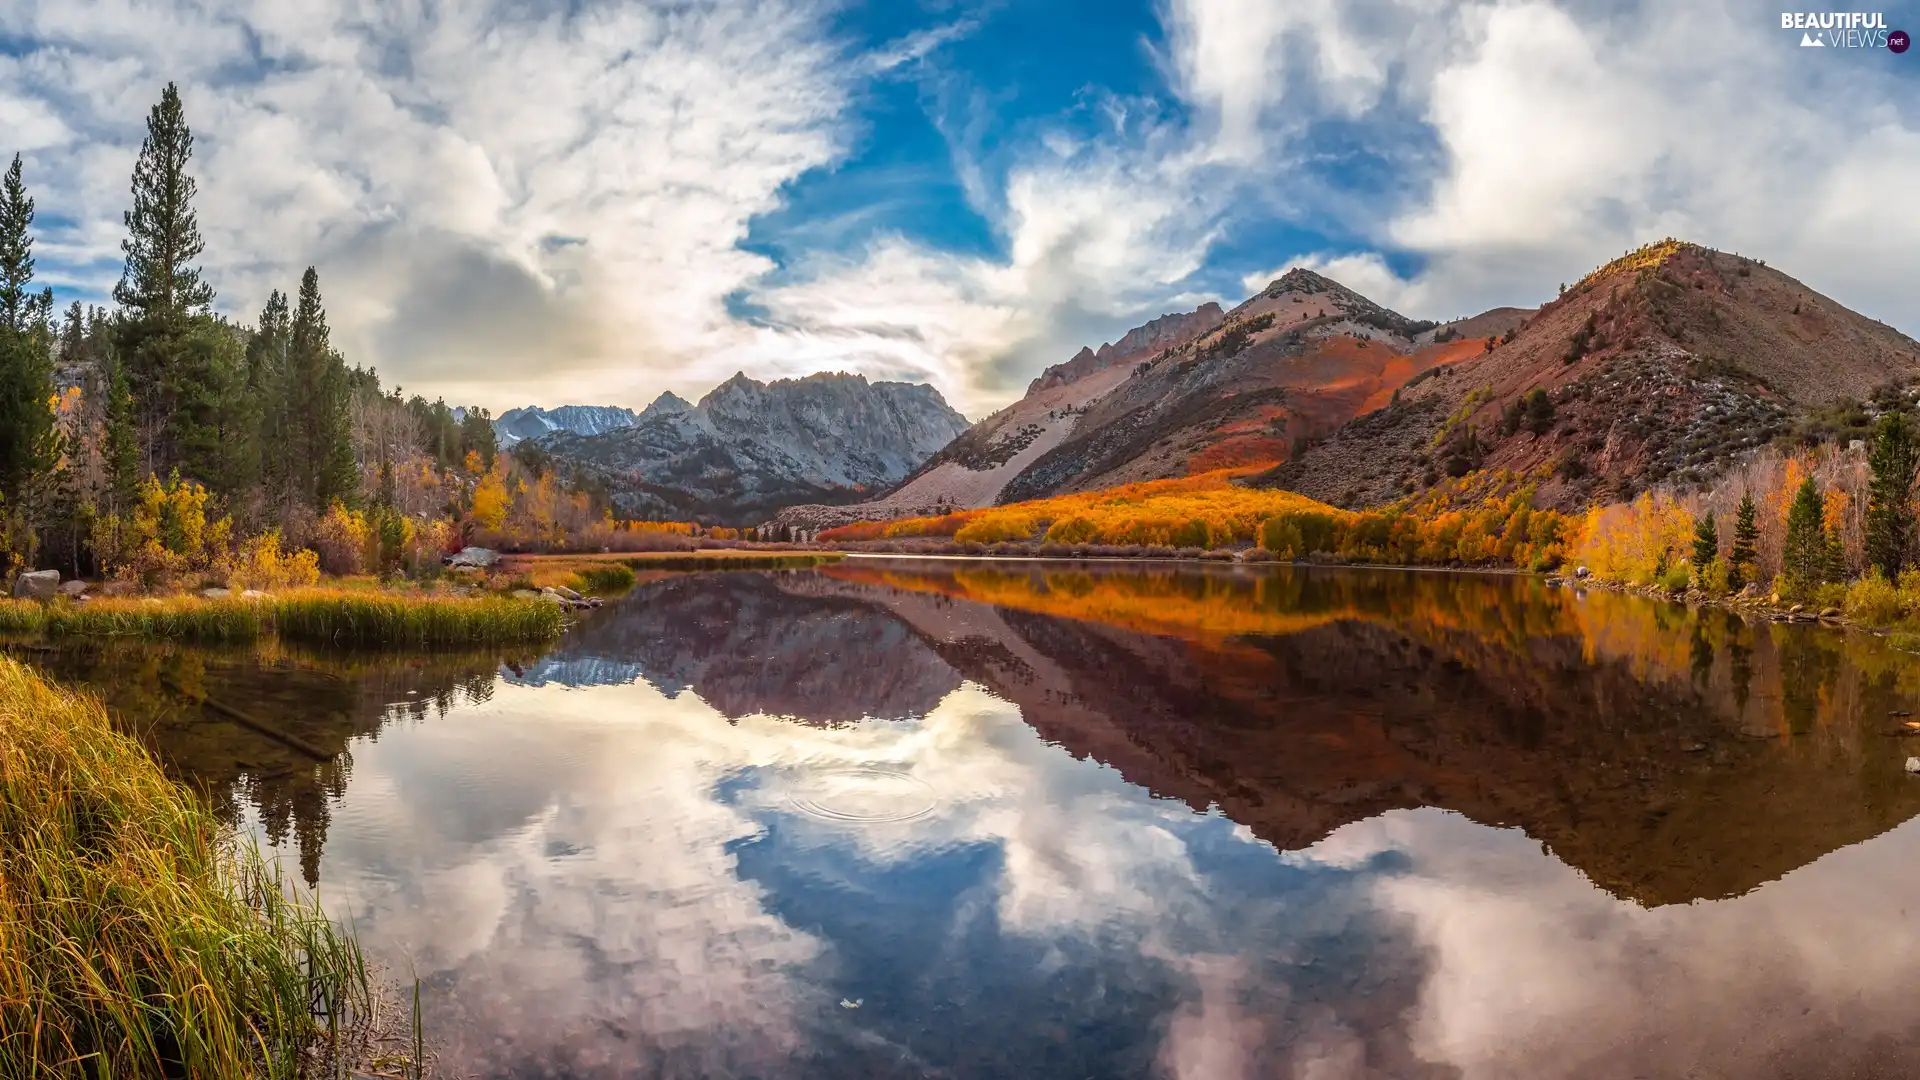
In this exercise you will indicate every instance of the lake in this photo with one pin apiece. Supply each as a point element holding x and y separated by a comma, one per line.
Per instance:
<point>973,819</point>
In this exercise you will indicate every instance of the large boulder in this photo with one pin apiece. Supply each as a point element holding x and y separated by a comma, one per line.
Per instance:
<point>36,585</point>
<point>473,558</point>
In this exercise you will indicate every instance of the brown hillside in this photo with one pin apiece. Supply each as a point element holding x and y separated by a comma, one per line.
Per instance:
<point>1666,363</point>
<point>1183,393</point>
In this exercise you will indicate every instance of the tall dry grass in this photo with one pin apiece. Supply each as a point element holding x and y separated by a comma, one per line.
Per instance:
<point>335,616</point>
<point>138,936</point>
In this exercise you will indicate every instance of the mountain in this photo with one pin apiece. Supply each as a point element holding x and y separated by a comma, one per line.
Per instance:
<point>1664,364</point>
<point>1184,393</point>
<point>749,448</point>
<point>532,421</point>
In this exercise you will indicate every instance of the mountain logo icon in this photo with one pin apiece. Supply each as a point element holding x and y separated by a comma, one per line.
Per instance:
<point>1808,41</point>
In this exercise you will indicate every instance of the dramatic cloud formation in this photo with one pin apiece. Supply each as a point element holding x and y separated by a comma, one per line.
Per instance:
<point>519,203</point>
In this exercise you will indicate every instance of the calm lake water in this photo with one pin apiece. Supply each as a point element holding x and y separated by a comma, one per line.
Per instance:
<point>945,819</point>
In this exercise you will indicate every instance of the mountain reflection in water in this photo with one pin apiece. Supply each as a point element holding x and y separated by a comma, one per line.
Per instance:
<point>1018,820</point>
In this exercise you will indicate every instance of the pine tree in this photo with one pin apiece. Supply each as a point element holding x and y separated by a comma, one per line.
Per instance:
<point>339,479</point>
<point>1706,543</point>
<point>316,404</point>
<point>1804,560</point>
<point>1743,561</point>
<point>163,234</point>
<point>122,443</point>
<point>1893,460</point>
<point>267,361</point>
<point>177,357</point>
<point>16,250</point>
<point>477,436</point>
<point>28,444</point>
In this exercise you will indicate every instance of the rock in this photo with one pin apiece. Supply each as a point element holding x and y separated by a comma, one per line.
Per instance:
<point>1796,609</point>
<point>253,594</point>
<point>118,588</point>
<point>1830,613</point>
<point>216,593</point>
<point>36,585</point>
<point>72,589</point>
<point>1913,764</point>
<point>472,558</point>
<point>1582,572</point>
<point>567,593</point>
<point>1774,599</point>
<point>552,597</point>
<point>525,594</point>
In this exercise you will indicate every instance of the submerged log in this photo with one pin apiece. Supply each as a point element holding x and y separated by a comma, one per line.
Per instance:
<point>248,722</point>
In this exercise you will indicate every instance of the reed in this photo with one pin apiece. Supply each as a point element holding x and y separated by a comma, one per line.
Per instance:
<point>181,618</point>
<point>334,616</point>
<point>345,618</point>
<point>138,936</point>
<point>604,578</point>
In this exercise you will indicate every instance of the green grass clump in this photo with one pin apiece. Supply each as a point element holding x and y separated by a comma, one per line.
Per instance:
<point>179,618</point>
<point>343,618</point>
<point>138,937</point>
<point>335,616</point>
<point>605,578</point>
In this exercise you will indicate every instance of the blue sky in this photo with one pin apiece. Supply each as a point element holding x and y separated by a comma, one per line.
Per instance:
<point>516,202</point>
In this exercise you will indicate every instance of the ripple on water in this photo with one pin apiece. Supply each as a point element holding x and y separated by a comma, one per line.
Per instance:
<point>861,795</point>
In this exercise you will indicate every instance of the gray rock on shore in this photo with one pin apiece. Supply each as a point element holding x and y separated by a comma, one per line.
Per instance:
<point>36,585</point>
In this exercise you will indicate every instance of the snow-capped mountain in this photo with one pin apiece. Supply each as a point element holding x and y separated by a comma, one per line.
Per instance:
<point>531,422</point>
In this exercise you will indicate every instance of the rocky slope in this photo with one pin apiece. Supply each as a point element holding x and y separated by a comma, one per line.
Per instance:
<point>531,422</point>
<point>749,448</point>
<point>1183,393</point>
<point>1664,364</point>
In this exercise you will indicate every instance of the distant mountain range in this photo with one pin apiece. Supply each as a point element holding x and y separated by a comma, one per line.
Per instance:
<point>532,421</point>
<point>1665,363</point>
<point>747,448</point>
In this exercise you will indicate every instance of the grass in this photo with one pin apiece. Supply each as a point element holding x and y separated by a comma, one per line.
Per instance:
<point>321,615</point>
<point>612,578</point>
<point>334,616</point>
<point>138,937</point>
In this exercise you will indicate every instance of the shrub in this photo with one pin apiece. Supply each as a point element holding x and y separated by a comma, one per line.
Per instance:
<point>994,528</point>
<point>1874,600</point>
<point>1076,529</point>
<point>1676,577</point>
<point>1716,578</point>
<point>1195,533</point>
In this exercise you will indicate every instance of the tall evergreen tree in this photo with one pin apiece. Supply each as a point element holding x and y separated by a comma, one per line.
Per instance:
<point>1743,561</point>
<point>16,250</point>
<point>1893,459</point>
<point>176,365</point>
<point>163,233</point>
<point>267,353</point>
<point>477,435</point>
<point>27,438</point>
<point>316,404</point>
<point>1706,542</point>
<point>1804,560</point>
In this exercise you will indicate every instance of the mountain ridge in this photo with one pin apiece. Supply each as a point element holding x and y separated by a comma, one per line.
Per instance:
<point>747,448</point>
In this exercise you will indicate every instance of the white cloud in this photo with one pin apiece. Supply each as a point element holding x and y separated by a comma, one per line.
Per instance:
<point>511,205</point>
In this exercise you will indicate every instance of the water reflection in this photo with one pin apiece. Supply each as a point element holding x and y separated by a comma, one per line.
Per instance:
<point>988,821</point>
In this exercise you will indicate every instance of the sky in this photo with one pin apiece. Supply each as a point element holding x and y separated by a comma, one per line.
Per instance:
<point>515,202</point>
